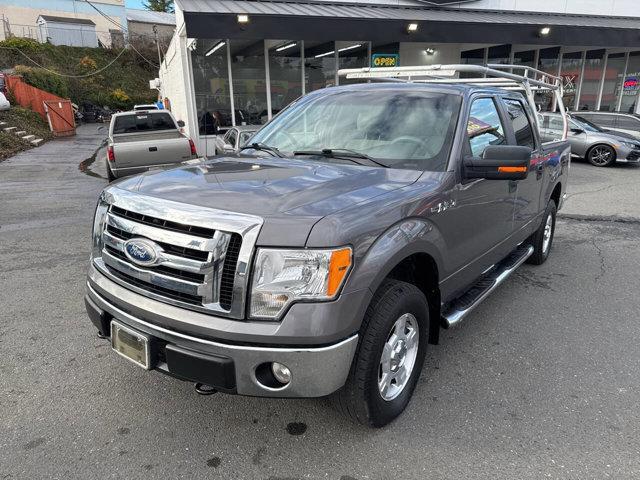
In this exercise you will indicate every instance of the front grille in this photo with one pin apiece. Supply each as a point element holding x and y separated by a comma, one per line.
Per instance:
<point>195,266</point>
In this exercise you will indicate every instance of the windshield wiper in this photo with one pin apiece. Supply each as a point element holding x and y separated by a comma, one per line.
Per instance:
<point>341,153</point>
<point>264,148</point>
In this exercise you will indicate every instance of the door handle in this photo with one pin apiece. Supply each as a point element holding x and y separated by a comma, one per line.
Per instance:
<point>153,149</point>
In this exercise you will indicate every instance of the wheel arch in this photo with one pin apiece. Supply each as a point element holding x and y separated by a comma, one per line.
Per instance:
<point>407,251</point>
<point>601,144</point>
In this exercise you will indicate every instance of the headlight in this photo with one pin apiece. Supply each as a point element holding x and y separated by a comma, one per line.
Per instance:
<point>281,277</point>
<point>630,145</point>
<point>99,222</point>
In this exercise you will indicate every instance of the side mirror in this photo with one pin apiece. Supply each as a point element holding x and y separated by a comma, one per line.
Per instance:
<point>499,162</point>
<point>180,123</point>
<point>576,131</point>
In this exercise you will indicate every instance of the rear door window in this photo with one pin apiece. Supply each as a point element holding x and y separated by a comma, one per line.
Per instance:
<point>606,121</point>
<point>522,128</point>
<point>628,123</point>
<point>484,127</point>
<point>143,122</point>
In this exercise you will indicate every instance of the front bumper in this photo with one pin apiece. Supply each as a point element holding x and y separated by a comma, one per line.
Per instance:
<point>625,154</point>
<point>315,371</point>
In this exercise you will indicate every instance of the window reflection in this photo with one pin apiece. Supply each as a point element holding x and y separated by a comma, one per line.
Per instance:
<point>211,86</point>
<point>285,70</point>
<point>319,65</point>
<point>249,82</point>
<point>592,78</point>
<point>571,69</point>
<point>631,85</point>
<point>612,81</point>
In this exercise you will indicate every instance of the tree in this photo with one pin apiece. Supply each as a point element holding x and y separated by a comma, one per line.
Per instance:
<point>159,5</point>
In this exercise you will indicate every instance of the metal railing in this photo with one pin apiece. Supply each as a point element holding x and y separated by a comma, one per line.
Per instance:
<point>491,75</point>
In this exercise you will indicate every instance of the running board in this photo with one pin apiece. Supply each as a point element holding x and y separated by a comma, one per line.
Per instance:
<point>464,304</point>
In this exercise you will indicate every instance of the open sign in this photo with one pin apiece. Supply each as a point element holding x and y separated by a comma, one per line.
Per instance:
<point>631,83</point>
<point>385,60</point>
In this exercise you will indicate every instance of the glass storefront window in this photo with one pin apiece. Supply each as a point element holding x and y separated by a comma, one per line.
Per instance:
<point>211,86</point>
<point>319,65</point>
<point>592,77</point>
<point>352,55</point>
<point>548,62</point>
<point>570,74</point>
<point>631,85</point>
<point>471,57</point>
<point>526,58</point>
<point>499,54</point>
<point>612,82</point>
<point>285,72</point>
<point>249,82</point>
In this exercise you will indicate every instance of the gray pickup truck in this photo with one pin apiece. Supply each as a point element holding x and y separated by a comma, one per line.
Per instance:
<point>144,139</point>
<point>324,257</point>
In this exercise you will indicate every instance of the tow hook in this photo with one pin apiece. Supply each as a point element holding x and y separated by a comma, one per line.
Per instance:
<point>202,389</point>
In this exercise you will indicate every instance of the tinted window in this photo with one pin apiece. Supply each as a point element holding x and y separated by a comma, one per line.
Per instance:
<point>628,123</point>
<point>400,127</point>
<point>144,122</point>
<point>484,127</point>
<point>606,121</point>
<point>521,125</point>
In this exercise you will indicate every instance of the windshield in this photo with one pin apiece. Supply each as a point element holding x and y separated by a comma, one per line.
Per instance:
<point>586,125</point>
<point>398,127</point>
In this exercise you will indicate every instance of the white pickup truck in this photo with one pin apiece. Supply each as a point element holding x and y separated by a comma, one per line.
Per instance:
<point>144,139</point>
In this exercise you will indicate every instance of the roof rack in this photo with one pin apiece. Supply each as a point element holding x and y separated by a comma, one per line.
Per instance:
<point>491,75</point>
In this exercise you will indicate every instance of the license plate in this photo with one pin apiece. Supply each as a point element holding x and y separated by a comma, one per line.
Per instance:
<point>132,345</point>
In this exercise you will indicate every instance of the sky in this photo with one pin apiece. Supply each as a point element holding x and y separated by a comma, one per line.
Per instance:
<point>133,3</point>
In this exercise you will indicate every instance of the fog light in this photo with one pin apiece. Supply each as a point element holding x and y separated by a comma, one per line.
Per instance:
<point>281,372</point>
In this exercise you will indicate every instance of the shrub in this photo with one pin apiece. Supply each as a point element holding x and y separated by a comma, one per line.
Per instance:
<point>44,80</point>
<point>87,63</point>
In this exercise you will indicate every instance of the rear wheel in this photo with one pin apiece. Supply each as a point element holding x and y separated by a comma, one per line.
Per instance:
<point>543,238</point>
<point>387,365</point>
<point>601,155</point>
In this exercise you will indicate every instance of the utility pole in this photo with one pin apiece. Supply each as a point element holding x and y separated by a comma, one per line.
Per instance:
<point>155,34</point>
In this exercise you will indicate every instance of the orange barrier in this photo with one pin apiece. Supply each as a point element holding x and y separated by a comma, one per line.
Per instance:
<point>56,110</point>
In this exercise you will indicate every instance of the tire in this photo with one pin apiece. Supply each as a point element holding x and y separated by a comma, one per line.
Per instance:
<point>361,398</point>
<point>601,156</point>
<point>110,176</point>
<point>541,243</point>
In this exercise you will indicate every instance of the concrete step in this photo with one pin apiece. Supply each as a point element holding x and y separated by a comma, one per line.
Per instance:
<point>20,133</point>
<point>36,142</point>
<point>8,129</point>
<point>28,137</point>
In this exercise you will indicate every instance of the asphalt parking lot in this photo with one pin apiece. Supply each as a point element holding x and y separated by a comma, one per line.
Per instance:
<point>541,381</point>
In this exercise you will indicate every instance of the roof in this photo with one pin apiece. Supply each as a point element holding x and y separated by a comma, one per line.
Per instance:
<point>406,10</point>
<point>75,21</point>
<point>148,16</point>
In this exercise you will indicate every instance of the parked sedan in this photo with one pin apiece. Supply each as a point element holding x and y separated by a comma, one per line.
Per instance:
<point>600,147</point>
<point>235,138</point>
<point>617,122</point>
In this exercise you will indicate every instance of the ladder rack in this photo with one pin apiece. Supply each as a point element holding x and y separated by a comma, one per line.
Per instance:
<point>530,80</point>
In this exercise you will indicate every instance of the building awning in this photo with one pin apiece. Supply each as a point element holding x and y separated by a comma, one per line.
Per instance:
<point>411,11</point>
<point>364,20</point>
<point>71,20</point>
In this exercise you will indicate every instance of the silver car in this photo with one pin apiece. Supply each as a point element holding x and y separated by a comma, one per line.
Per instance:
<point>600,147</point>
<point>616,122</point>
<point>235,138</point>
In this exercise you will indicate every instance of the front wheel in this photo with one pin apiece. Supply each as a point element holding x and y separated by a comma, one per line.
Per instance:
<point>601,156</point>
<point>388,362</point>
<point>543,238</point>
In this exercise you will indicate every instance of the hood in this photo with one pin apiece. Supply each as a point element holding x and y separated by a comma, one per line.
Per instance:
<point>290,194</point>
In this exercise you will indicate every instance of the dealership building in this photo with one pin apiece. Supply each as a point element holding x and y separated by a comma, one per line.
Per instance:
<point>237,62</point>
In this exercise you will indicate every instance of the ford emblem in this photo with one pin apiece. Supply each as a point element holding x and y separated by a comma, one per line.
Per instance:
<point>141,251</point>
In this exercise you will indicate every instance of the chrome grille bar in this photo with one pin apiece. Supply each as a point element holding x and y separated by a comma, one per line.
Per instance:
<point>193,265</point>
